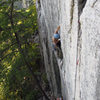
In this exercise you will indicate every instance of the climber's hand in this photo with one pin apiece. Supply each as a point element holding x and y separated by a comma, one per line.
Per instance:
<point>57,29</point>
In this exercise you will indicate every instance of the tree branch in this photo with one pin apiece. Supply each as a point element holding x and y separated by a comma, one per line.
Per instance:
<point>24,56</point>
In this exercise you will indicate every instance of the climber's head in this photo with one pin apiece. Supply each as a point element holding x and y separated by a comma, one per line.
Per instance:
<point>56,36</point>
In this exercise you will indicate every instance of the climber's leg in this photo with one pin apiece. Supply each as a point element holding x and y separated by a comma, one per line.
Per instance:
<point>59,44</point>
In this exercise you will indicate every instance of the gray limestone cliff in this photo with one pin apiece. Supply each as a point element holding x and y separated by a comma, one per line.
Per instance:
<point>23,3</point>
<point>76,76</point>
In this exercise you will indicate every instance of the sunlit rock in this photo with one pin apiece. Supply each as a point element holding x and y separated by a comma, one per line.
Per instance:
<point>76,76</point>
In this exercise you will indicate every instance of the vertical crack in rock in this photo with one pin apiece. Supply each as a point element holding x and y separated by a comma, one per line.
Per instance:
<point>50,62</point>
<point>98,83</point>
<point>81,5</point>
<point>94,3</point>
<point>71,14</point>
<point>57,76</point>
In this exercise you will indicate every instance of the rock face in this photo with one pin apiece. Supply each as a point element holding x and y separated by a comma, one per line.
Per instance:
<point>23,4</point>
<point>76,76</point>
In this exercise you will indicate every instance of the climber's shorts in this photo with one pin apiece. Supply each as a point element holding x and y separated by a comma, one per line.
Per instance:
<point>58,45</point>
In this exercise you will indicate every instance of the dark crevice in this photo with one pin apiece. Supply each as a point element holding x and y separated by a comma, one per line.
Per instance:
<point>57,76</point>
<point>71,14</point>
<point>39,5</point>
<point>81,5</point>
<point>48,50</point>
<point>72,10</point>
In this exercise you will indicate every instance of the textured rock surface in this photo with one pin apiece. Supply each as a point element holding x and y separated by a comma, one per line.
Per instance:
<point>23,3</point>
<point>79,70</point>
<point>90,52</point>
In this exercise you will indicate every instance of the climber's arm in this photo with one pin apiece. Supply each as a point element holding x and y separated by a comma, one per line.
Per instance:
<point>57,29</point>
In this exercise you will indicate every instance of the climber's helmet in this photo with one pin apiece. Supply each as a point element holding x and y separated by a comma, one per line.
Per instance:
<point>56,36</point>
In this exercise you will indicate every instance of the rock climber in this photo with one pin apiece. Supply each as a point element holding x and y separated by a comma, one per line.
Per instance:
<point>56,39</point>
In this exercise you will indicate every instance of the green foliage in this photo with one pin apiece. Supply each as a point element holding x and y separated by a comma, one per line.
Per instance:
<point>16,82</point>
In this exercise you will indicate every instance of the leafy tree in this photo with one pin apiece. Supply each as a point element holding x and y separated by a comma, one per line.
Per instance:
<point>19,54</point>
